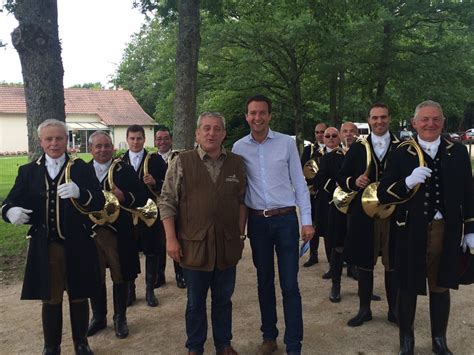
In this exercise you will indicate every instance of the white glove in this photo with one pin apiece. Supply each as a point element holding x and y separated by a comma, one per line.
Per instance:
<point>418,176</point>
<point>468,241</point>
<point>68,190</point>
<point>18,215</point>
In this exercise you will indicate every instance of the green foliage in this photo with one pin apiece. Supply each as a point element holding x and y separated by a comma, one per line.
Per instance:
<point>93,86</point>
<point>147,70</point>
<point>8,172</point>
<point>317,60</point>
<point>13,241</point>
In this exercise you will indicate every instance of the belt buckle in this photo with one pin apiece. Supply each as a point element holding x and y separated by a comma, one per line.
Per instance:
<point>265,213</point>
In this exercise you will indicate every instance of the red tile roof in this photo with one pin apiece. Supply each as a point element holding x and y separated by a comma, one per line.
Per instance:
<point>114,107</point>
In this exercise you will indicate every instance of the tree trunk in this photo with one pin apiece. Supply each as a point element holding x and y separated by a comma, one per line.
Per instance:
<point>384,62</point>
<point>187,54</point>
<point>333,98</point>
<point>37,43</point>
<point>341,96</point>
<point>295,85</point>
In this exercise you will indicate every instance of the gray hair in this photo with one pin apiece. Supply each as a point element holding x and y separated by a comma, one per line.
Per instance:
<point>99,133</point>
<point>428,103</point>
<point>213,115</point>
<point>51,122</point>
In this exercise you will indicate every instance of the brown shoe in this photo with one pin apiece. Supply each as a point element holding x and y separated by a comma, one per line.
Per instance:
<point>228,350</point>
<point>267,347</point>
<point>193,353</point>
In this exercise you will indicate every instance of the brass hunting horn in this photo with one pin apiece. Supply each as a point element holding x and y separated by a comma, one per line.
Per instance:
<point>149,212</point>
<point>310,169</point>
<point>111,210</point>
<point>108,214</point>
<point>343,199</point>
<point>371,204</point>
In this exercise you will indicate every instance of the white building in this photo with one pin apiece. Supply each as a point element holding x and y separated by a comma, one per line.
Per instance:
<point>86,111</point>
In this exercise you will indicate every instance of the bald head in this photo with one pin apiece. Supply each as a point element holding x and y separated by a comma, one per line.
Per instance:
<point>331,137</point>
<point>319,132</point>
<point>349,133</point>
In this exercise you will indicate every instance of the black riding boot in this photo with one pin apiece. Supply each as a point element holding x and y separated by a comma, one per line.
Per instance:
<point>79,312</point>
<point>391,292</point>
<point>132,295</point>
<point>178,270</point>
<point>366,285</point>
<point>52,315</point>
<point>99,311</point>
<point>406,309</point>
<point>336,267</point>
<point>120,310</point>
<point>440,304</point>
<point>150,278</point>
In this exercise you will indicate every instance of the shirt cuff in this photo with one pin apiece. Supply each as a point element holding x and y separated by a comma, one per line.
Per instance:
<point>306,220</point>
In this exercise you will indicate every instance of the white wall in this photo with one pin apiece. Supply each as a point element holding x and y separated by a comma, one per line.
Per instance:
<point>13,133</point>
<point>82,118</point>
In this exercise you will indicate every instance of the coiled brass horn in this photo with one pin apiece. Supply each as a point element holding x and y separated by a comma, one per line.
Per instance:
<point>108,214</point>
<point>311,168</point>
<point>343,199</point>
<point>111,210</point>
<point>146,172</point>
<point>411,142</point>
<point>149,212</point>
<point>371,204</point>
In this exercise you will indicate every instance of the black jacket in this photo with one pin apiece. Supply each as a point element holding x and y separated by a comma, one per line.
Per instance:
<point>149,237</point>
<point>325,182</point>
<point>409,222</point>
<point>126,179</point>
<point>30,192</point>
<point>360,233</point>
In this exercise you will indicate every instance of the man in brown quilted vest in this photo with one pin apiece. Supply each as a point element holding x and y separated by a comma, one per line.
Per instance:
<point>203,193</point>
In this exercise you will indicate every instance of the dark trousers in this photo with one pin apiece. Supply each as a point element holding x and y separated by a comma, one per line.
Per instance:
<point>222,284</point>
<point>280,234</point>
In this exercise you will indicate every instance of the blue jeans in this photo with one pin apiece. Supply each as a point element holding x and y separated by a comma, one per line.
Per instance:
<point>221,283</point>
<point>280,233</point>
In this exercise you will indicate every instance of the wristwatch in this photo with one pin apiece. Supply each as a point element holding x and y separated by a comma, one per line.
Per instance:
<point>243,236</point>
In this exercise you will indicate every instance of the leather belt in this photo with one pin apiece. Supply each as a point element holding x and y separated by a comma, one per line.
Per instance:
<point>275,212</point>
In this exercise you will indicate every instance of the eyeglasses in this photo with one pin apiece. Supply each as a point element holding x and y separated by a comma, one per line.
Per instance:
<point>319,132</point>
<point>331,136</point>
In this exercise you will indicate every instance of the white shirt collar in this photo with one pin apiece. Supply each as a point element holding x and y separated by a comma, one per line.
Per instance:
<point>165,155</point>
<point>328,150</point>
<point>321,145</point>
<point>133,154</point>
<point>430,148</point>
<point>381,140</point>
<point>101,170</point>
<point>100,166</point>
<point>52,162</point>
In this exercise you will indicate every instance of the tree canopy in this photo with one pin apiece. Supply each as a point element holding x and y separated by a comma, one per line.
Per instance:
<point>317,60</point>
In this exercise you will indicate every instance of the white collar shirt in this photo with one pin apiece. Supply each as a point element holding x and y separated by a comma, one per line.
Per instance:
<point>101,170</point>
<point>166,155</point>
<point>380,144</point>
<point>53,166</point>
<point>430,148</point>
<point>136,158</point>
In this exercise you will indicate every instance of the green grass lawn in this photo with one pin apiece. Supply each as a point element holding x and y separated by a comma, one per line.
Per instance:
<point>13,241</point>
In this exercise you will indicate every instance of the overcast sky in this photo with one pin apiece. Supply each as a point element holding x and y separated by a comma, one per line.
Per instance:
<point>94,34</point>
